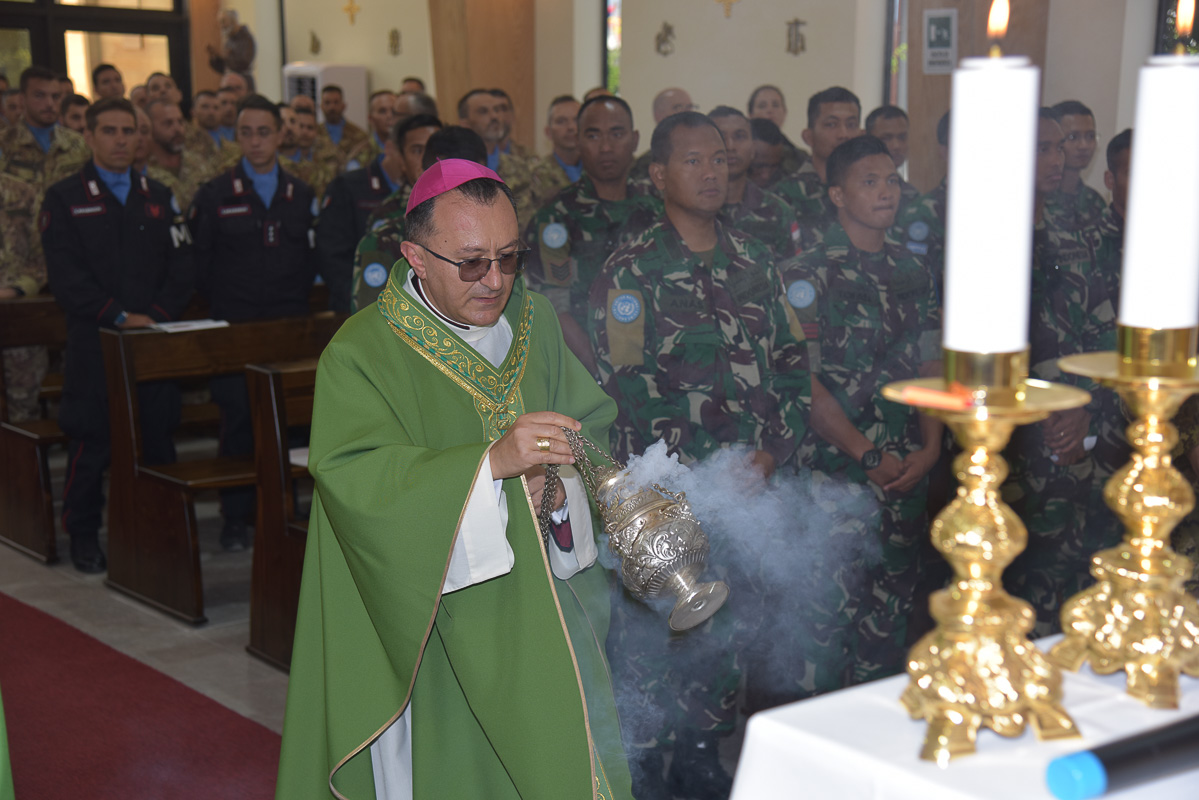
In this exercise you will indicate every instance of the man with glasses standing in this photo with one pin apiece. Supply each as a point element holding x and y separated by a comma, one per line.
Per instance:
<point>1075,205</point>
<point>426,573</point>
<point>255,260</point>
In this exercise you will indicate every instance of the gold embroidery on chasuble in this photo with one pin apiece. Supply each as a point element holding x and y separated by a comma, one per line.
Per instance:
<point>496,394</point>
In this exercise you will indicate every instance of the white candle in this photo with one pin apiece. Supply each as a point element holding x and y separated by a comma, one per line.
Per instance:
<point>988,244</point>
<point>1160,284</point>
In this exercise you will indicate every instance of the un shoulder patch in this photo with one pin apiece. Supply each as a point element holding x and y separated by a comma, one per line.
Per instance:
<point>377,224</point>
<point>375,275</point>
<point>918,231</point>
<point>554,235</point>
<point>626,307</point>
<point>801,294</point>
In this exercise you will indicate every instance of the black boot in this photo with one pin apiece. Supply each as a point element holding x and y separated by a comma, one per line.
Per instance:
<point>695,770</point>
<point>87,556</point>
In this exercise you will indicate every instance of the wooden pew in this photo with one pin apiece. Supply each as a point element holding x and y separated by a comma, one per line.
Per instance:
<point>26,500</point>
<point>280,397</point>
<point>153,546</point>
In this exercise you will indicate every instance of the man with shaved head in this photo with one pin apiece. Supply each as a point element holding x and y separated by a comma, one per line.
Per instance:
<point>666,102</point>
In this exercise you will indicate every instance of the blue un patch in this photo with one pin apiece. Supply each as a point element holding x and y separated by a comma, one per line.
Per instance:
<point>626,308</point>
<point>801,294</point>
<point>375,275</point>
<point>918,231</point>
<point>554,235</point>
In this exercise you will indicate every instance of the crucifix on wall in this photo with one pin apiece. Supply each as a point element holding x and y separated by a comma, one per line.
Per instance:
<point>351,9</point>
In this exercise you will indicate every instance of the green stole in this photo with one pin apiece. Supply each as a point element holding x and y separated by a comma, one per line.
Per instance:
<point>512,697</point>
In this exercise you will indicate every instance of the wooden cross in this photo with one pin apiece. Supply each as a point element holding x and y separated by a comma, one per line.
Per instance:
<point>728,6</point>
<point>351,8</point>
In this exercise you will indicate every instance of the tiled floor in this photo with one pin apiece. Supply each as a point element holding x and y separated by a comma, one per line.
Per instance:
<point>211,658</point>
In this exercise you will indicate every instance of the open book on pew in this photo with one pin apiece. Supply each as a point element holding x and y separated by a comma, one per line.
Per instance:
<point>184,325</point>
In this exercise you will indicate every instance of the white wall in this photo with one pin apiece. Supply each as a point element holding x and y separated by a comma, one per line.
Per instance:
<point>721,60</point>
<point>363,43</point>
<point>1094,49</point>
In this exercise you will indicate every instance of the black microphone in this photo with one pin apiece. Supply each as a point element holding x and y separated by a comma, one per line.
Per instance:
<point>1148,756</point>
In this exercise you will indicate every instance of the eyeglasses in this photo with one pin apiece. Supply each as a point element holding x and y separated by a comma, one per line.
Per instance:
<point>473,269</point>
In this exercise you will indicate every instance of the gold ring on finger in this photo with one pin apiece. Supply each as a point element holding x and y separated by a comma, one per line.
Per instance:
<point>543,444</point>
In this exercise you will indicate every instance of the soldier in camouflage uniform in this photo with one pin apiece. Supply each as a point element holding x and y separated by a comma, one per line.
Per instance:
<point>345,135</point>
<point>666,102</point>
<point>890,125</point>
<point>691,339</point>
<point>545,177</point>
<point>313,160</point>
<point>767,103</point>
<point>869,312</point>
<point>381,115</point>
<point>748,208</point>
<point>38,150</point>
<point>169,161</point>
<point>1056,468</point>
<point>573,235</point>
<point>1075,205</point>
<point>920,225</point>
<point>834,116</point>
<point>22,273</point>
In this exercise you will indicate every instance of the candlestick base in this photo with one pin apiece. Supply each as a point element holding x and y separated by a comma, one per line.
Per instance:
<point>977,667</point>
<point>1138,617</point>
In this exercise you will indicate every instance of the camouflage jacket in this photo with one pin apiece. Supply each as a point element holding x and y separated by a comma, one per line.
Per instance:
<point>794,157</point>
<point>639,175</point>
<point>316,169</point>
<point>573,235</point>
<point>367,151</point>
<point>868,319</point>
<point>193,172</point>
<point>536,183</point>
<point>921,227</point>
<point>377,252</point>
<point>765,217</point>
<point>805,192</point>
<point>199,142</point>
<point>1109,254</point>
<point>21,157</point>
<point>352,137</point>
<point>696,349</point>
<point>22,265</point>
<point>1073,212</point>
<point>516,168</point>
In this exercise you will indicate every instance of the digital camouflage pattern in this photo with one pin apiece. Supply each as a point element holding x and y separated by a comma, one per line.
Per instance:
<point>1073,212</point>
<point>22,267</point>
<point>21,157</point>
<point>367,151</point>
<point>765,217</point>
<point>920,225</point>
<point>870,319</point>
<point>1071,313</point>
<point>517,171</point>
<point>199,142</point>
<point>352,138</point>
<point>573,235</point>
<point>318,168</point>
<point>193,173</point>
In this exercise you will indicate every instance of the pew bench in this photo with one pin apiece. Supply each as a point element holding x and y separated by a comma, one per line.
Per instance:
<point>153,542</point>
<point>26,498</point>
<point>280,397</point>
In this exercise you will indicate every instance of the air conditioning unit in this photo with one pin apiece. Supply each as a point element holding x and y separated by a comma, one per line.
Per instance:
<point>308,77</point>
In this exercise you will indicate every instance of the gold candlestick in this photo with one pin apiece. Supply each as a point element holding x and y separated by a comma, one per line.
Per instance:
<point>1138,617</point>
<point>977,667</point>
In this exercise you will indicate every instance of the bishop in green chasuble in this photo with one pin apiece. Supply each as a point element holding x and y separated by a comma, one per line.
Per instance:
<point>442,649</point>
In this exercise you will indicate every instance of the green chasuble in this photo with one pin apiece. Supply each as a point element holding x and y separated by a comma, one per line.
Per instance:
<point>510,693</point>
<point>6,790</point>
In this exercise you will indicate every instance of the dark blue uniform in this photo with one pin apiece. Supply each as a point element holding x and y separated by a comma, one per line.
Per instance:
<point>348,204</point>
<point>104,260</point>
<point>252,263</point>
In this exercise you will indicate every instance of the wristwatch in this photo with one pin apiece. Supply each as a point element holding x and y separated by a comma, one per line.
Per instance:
<point>871,459</point>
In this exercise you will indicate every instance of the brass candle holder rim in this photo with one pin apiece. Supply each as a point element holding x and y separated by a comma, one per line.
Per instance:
<point>1034,400</point>
<point>1109,368</point>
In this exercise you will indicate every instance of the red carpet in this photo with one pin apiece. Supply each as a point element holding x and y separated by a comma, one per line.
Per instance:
<point>86,722</point>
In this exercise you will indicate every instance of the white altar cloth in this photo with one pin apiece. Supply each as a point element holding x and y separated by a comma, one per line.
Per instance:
<point>860,744</point>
